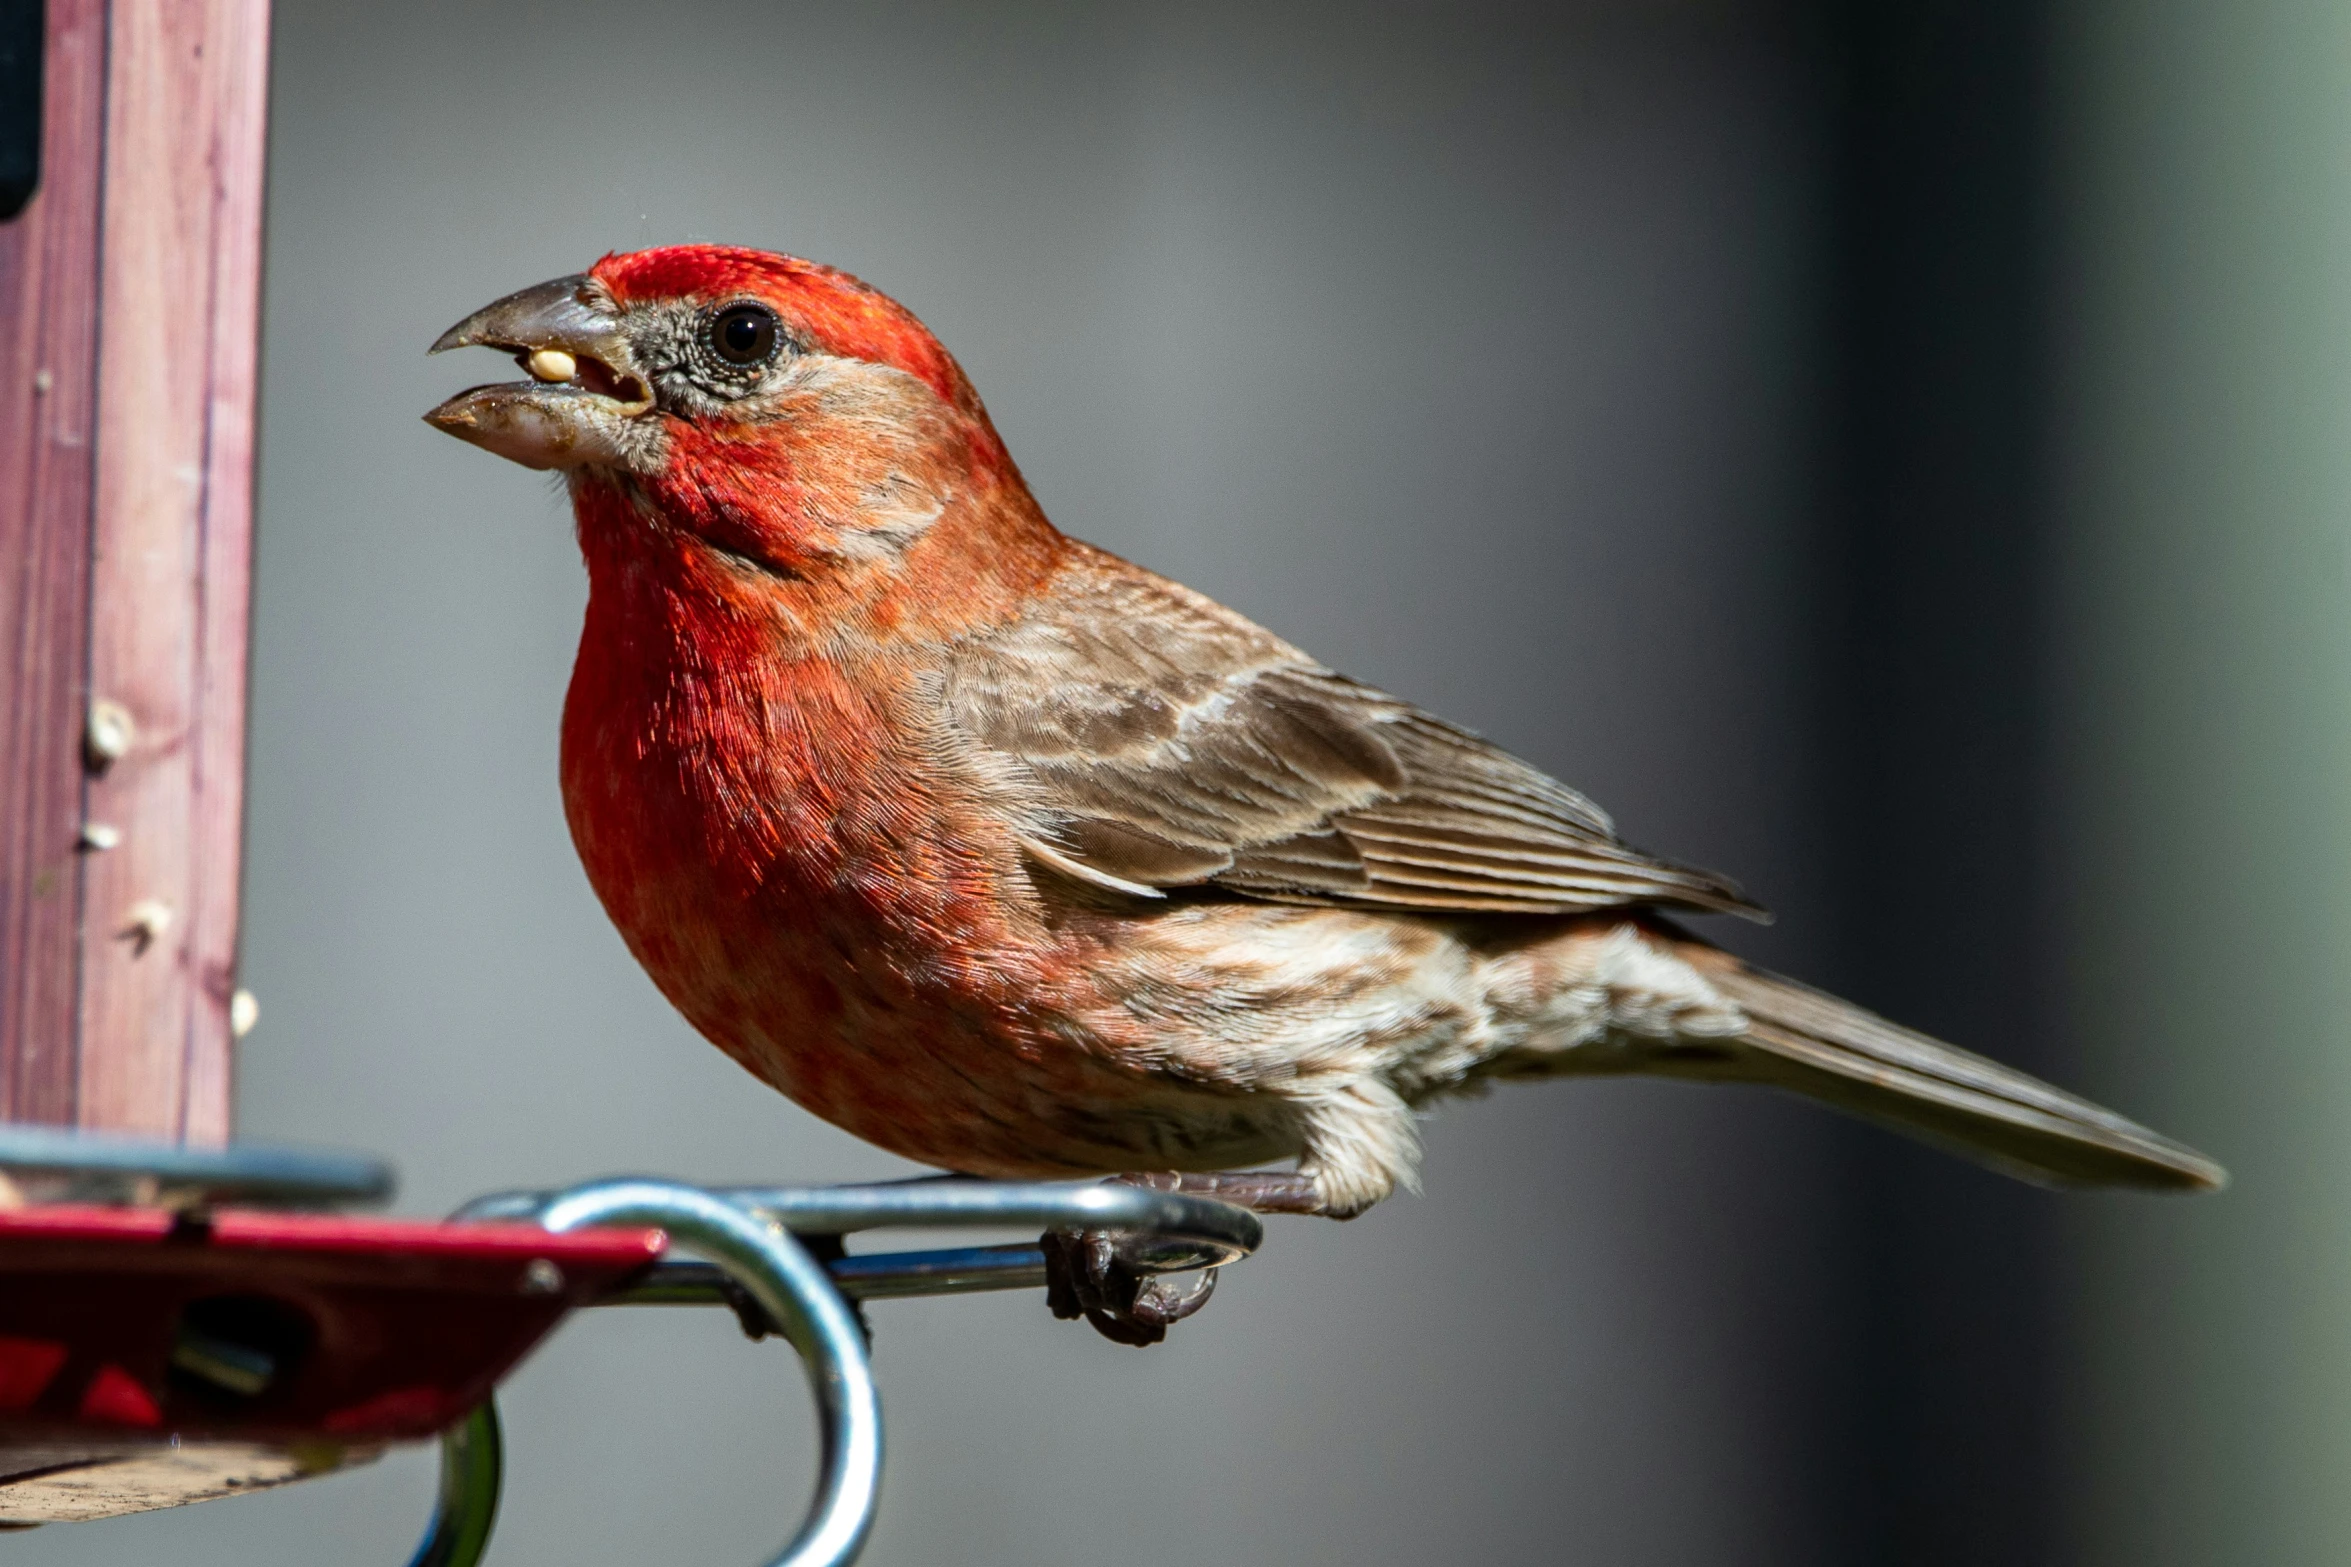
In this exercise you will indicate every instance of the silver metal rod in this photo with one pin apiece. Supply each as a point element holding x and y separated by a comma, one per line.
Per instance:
<point>964,1271</point>
<point>955,1203</point>
<point>897,1275</point>
<point>1166,1231</point>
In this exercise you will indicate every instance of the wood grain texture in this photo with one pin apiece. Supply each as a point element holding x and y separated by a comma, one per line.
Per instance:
<point>129,304</point>
<point>179,298</point>
<point>48,368</point>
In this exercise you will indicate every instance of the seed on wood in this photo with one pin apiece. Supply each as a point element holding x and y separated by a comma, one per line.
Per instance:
<point>144,923</point>
<point>108,735</point>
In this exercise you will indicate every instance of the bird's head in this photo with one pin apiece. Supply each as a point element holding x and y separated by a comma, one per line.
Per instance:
<point>776,408</point>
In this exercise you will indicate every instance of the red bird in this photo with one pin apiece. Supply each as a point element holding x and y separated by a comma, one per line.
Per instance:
<point>1019,860</point>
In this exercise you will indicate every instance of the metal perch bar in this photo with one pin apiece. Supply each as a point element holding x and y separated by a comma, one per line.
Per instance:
<point>747,1236</point>
<point>967,1270</point>
<point>1163,1232</point>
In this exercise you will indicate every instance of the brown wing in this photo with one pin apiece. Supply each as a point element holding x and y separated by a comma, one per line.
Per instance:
<point>1167,742</point>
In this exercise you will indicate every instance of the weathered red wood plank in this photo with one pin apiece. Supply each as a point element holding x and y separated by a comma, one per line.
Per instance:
<point>225,616</point>
<point>48,367</point>
<point>129,302</point>
<point>176,358</point>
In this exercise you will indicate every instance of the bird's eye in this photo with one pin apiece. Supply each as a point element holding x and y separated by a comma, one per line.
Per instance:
<point>744,335</point>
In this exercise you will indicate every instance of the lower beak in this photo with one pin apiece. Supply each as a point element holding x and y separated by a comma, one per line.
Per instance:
<point>587,402</point>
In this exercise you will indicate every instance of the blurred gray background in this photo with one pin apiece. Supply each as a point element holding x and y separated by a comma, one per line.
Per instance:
<point>1894,453</point>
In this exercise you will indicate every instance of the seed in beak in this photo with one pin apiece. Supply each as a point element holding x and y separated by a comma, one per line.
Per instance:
<point>552,364</point>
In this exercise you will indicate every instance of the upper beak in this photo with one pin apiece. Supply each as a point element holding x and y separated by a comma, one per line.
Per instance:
<point>584,401</point>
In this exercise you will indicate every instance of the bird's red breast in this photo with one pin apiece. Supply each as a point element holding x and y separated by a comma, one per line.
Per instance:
<point>745,763</point>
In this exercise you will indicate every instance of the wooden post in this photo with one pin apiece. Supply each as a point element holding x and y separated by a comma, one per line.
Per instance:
<point>129,306</point>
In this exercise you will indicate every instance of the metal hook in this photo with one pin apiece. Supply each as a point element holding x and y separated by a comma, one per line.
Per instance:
<point>794,1291</point>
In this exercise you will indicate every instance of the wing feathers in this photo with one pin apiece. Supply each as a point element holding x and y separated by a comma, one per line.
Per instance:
<point>1171,743</point>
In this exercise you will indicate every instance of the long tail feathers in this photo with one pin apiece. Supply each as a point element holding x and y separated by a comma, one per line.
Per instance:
<point>1803,1039</point>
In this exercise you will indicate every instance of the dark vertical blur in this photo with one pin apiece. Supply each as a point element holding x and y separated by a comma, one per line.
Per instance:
<point>1931,739</point>
<point>22,26</point>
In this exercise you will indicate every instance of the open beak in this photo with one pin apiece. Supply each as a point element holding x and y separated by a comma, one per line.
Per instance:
<point>586,400</point>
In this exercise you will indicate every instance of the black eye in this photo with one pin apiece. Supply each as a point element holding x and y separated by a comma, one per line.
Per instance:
<point>744,335</point>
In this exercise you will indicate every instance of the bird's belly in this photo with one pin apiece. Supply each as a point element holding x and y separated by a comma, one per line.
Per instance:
<point>988,1055</point>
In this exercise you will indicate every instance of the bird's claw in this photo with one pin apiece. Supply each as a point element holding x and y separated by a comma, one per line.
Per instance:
<point>1086,1277</point>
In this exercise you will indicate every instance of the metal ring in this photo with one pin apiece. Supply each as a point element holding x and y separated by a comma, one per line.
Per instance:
<point>793,1290</point>
<point>473,1465</point>
<point>797,1296</point>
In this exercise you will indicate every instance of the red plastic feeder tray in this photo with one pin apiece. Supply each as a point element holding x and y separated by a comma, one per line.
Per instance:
<point>149,1359</point>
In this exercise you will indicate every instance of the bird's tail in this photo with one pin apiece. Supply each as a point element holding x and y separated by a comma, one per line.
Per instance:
<point>1806,1040</point>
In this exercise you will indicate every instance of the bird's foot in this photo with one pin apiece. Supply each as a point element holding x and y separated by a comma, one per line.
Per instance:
<point>1086,1277</point>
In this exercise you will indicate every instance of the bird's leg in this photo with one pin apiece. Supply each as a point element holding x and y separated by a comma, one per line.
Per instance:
<point>1086,1277</point>
<point>1259,1191</point>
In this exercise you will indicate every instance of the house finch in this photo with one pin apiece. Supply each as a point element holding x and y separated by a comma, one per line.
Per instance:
<point>1019,860</point>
